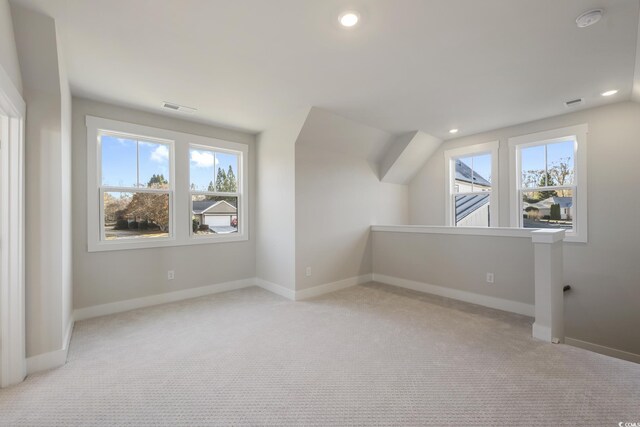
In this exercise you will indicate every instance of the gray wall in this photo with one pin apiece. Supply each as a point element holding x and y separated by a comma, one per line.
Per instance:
<point>338,198</point>
<point>104,277</point>
<point>276,201</point>
<point>602,308</point>
<point>8,53</point>
<point>459,262</point>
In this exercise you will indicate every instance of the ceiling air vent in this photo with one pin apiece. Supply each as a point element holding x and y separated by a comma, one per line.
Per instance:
<point>574,102</point>
<point>175,107</point>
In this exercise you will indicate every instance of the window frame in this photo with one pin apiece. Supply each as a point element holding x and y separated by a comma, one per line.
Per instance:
<point>180,209</point>
<point>450,157</point>
<point>579,187</point>
<point>240,182</point>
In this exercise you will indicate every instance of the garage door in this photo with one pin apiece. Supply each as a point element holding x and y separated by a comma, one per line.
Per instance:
<point>217,219</point>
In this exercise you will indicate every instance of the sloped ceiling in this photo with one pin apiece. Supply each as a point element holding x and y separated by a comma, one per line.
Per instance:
<point>410,64</point>
<point>329,131</point>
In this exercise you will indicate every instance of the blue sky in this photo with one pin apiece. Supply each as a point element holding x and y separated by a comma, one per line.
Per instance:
<point>533,157</point>
<point>481,165</point>
<point>204,165</point>
<point>119,160</point>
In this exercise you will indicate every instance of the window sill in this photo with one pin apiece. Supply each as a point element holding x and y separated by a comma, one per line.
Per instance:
<point>163,243</point>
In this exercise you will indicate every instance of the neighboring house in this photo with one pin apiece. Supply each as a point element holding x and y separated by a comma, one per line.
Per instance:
<point>544,206</point>
<point>472,210</point>
<point>217,214</point>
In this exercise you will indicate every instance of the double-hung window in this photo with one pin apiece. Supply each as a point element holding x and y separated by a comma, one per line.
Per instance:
<point>548,181</point>
<point>135,187</point>
<point>214,184</point>
<point>150,187</point>
<point>471,190</point>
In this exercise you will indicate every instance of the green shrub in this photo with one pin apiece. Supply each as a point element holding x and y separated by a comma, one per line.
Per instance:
<point>195,225</point>
<point>133,225</point>
<point>122,224</point>
<point>143,225</point>
<point>555,212</point>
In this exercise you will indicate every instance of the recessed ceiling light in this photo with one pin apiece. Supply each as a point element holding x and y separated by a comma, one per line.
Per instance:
<point>453,131</point>
<point>349,19</point>
<point>588,18</point>
<point>609,92</point>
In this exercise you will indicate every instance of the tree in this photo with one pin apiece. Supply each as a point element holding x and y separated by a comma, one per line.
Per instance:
<point>231,178</point>
<point>548,182</point>
<point>151,207</point>
<point>554,213</point>
<point>211,186</point>
<point>562,174</point>
<point>114,208</point>
<point>221,181</point>
<point>157,181</point>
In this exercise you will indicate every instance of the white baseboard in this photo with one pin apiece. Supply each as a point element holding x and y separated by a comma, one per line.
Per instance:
<point>120,306</point>
<point>607,351</point>
<point>276,289</point>
<point>314,291</point>
<point>52,359</point>
<point>332,287</point>
<point>484,300</point>
<point>541,332</point>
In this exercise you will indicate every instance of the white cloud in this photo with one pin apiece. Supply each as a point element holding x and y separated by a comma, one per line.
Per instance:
<point>202,159</point>
<point>160,154</point>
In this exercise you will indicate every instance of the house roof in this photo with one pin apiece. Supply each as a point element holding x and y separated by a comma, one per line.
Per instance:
<point>213,207</point>
<point>564,202</point>
<point>469,203</point>
<point>465,174</point>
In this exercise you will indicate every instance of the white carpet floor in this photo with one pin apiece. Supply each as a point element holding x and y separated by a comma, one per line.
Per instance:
<point>367,355</point>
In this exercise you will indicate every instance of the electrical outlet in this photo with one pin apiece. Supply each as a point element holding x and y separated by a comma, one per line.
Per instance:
<point>308,272</point>
<point>171,274</point>
<point>489,277</point>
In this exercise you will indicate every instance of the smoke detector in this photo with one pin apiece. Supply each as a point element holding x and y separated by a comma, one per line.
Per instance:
<point>179,108</point>
<point>589,18</point>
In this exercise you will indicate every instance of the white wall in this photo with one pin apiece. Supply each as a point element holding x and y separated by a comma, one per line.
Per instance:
<point>105,277</point>
<point>8,53</point>
<point>602,307</point>
<point>338,198</point>
<point>48,201</point>
<point>276,201</point>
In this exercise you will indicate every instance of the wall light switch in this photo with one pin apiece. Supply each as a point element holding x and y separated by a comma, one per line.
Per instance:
<point>308,272</point>
<point>170,275</point>
<point>489,277</point>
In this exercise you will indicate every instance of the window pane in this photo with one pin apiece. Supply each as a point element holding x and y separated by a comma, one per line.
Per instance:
<point>153,161</point>
<point>135,215</point>
<point>482,172</point>
<point>214,215</point>
<point>226,172</point>
<point>533,167</point>
<point>560,163</point>
<point>472,210</point>
<point>119,157</point>
<point>464,175</point>
<point>473,174</point>
<point>201,170</point>
<point>548,209</point>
